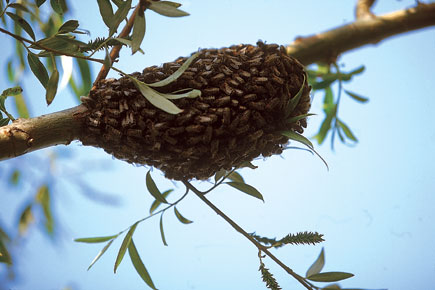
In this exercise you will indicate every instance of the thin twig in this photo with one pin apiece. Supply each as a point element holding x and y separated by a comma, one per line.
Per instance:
<point>114,53</point>
<point>246,235</point>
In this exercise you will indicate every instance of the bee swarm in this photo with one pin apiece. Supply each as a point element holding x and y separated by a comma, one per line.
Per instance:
<point>239,116</point>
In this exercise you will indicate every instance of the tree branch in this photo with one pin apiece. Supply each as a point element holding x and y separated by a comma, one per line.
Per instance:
<point>362,9</point>
<point>259,246</point>
<point>327,46</point>
<point>27,135</point>
<point>24,136</point>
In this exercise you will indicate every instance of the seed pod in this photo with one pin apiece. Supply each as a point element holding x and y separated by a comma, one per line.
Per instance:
<point>245,92</point>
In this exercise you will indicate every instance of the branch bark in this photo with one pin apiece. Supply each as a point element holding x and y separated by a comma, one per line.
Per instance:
<point>23,136</point>
<point>327,46</point>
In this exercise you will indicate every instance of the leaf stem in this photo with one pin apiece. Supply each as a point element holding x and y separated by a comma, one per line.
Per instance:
<point>245,234</point>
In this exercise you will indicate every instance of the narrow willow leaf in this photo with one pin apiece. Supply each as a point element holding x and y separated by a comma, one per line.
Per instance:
<point>174,4</point>
<point>317,266</point>
<point>38,69</point>
<point>26,218</point>
<point>176,74</point>
<point>293,102</point>
<point>12,91</point>
<point>43,198</point>
<point>301,139</point>
<point>247,164</point>
<point>328,98</point>
<point>152,188</point>
<point>180,217</point>
<point>157,203</point>
<point>107,59</point>
<point>357,70</point>
<point>124,246</point>
<point>191,94</point>
<point>19,6</point>
<point>246,188</point>
<point>357,97</point>
<point>85,76</point>
<point>162,233</point>
<point>166,9</point>
<point>40,2</point>
<point>23,23</point>
<point>219,175</point>
<point>4,121</point>
<point>139,266</point>
<point>5,257</point>
<point>330,276</point>
<point>325,126</point>
<point>68,26</point>
<point>138,34</point>
<point>58,6</point>
<point>327,81</point>
<point>100,254</point>
<point>95,239</point>
<point>156,98</point>
<point>21,106</point>
<point>52,86</point>
<point>298,118</point>
<point>120,15</point>
<point>106,11</point>
<point>347,131</point>
<point>235,176</point>
<point>11,74</point>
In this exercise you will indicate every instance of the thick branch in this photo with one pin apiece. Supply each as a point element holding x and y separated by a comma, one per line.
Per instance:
<point>327,46</point>
<point>362,9</point>
<point>26,135</point>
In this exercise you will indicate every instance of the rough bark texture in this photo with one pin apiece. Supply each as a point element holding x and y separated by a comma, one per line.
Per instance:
<point>23,136</point>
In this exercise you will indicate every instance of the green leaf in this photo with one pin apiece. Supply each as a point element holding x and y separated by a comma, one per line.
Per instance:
<point>156,98</point>
<point>180,217</point>
<point>330,276</point>
<point>107,60</point>
<point>19,6</point>
<point>139,28</point>
<point>40,2</point>
<point>293,102</point>
<point>52,86</point>
<point>301,139</point>
<point>15,177</point>
<point>328,100</point>
<point>247,164</point>
<point>152,188</point>
<point>235,176</point>
<point>317,266</point>
<point>298,118</point>
<point>5,257</point>
<point>162,233</point>
<point>347,131</point>
<point>38,69</point>
<point>191,94</point>
<point>68,26</point>
<point>357,71</point>
<point>26,218</point>
<point>59,6</point>
<point>4,122</point>
<point>106,11</point>
<point>219,175</point>
<point>85,76</point>
<point>94,240</point>
<point>325,126</point>
<point>23,23</point>
<point>125,244</point>
<point>100,254</point>
<point>43,198</point>
<point>157,203</point>
<point>176,74</point>
<point>246,188</point>
<point>12,91</point>
<point>174,4</point>
<point>139,266</point>
<point>357,97</point>
<point>167,9</point>
<point>21,106</point>
<point>120,15</point>
<point>11,74</point>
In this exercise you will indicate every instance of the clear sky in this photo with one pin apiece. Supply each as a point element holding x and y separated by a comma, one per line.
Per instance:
<point>375,205</point>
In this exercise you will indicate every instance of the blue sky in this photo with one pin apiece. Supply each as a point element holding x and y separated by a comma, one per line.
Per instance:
<point>375,205</point>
